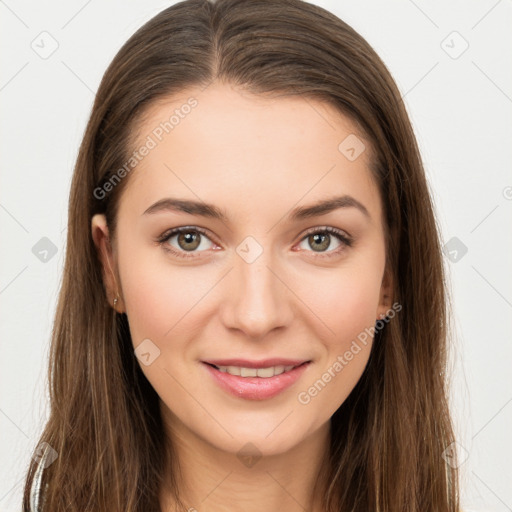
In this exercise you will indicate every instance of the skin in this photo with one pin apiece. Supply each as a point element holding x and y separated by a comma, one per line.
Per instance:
<point>256,159</point>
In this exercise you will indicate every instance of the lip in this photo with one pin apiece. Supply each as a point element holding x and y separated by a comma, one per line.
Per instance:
<point>256,388</point>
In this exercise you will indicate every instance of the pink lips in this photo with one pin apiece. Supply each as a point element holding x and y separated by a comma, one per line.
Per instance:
<point>256,388</point>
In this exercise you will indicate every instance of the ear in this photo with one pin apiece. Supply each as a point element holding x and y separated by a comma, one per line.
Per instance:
<point>100,236</point>
<point>386,294</point>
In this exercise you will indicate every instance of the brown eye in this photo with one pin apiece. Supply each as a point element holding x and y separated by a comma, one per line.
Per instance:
<point>188,239</point>
<point>319,240</point>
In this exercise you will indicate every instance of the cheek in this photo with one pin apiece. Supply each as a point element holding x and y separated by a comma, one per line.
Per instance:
<point>159,297</point>
<point>350,316</point>
<point>326,391</point>
<point>162,304</point>
<point>344,300</point>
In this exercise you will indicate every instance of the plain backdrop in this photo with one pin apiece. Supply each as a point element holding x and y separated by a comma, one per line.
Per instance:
<point>452,63</point>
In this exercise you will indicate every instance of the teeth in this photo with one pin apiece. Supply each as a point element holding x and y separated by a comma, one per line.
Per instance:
<point>265,372</point>
<point>278,370</point>
<point>233,370</point>
<point>255,372</point>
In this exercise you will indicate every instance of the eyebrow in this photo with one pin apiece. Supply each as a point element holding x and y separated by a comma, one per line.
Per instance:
<point>302,212</point>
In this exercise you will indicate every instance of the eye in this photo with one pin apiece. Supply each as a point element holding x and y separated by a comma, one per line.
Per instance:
<point>320,239</point>
<point>188,239</point>
<point>191,238</point>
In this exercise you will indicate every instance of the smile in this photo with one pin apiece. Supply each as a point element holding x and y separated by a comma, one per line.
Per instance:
<point>255,372</point>
<point>256,383</point>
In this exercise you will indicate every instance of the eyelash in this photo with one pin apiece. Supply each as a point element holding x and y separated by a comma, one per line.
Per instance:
<point>346,241</point>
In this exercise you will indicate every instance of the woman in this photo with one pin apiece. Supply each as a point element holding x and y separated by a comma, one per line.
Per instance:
<point>253,312</point>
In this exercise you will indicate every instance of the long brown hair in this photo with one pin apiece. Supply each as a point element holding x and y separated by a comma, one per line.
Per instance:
<point>389,436</point>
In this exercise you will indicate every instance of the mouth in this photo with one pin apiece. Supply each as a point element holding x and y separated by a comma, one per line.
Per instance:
<point>263,372</point>
<point>255,381</point>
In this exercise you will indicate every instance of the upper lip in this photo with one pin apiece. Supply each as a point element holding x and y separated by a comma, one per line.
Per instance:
<point>264,363</point>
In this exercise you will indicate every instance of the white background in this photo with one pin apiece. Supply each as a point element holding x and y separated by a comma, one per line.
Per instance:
<point>461,111</point>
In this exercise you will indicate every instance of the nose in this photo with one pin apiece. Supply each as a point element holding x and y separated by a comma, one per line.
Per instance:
<point>256,299</point>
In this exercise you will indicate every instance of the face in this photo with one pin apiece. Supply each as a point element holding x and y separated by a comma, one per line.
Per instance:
<point>257,280</point>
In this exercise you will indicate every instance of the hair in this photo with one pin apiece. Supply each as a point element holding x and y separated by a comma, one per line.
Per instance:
<point>389,435</point>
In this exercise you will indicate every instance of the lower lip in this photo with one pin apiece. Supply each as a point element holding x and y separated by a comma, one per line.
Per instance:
<point>256,388</point>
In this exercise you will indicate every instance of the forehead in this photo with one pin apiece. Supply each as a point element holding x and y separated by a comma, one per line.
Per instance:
<point>222,144</point>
